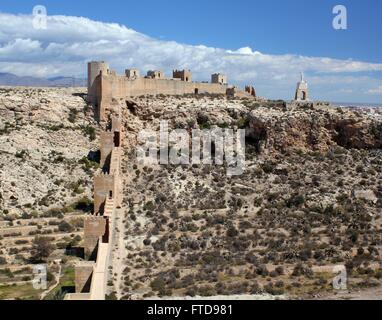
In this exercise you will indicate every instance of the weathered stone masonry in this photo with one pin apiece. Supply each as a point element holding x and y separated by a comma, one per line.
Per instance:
<point>104,85</point>
<point>91,274</point>
<point>105,88</point>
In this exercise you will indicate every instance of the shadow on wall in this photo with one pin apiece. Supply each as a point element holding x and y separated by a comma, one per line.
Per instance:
<point>81,95</point>
<point>75,252</point>
<point>60,294</point>
<point>94,156</point>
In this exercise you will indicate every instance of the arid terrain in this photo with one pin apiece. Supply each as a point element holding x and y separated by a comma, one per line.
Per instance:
<point>310,199</point>
<point>46,139</point>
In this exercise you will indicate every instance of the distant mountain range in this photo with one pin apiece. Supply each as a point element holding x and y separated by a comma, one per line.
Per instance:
<point>9,79</point>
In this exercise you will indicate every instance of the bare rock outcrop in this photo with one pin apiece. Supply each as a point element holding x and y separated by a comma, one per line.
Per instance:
<point>311,129</point>
<point>45,138</point>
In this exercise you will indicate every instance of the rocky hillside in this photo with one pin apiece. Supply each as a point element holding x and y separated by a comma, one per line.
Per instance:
<point>46,136</point>
<point>310,199</point>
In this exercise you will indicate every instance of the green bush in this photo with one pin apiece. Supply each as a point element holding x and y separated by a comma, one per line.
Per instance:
<point>84,204</point>
<point>89,131</point>
<point>242,123</point>
<point>65,227</point>
<point>72,115</point>
<point>295,200</point>
<point>22,154</point>
<point>158,285</point>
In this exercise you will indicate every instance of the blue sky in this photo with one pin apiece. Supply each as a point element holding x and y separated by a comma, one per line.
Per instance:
<point>281,28</point>
<point>273,26</point>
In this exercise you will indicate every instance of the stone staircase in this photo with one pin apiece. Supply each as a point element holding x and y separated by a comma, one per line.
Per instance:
<point>109,207</point>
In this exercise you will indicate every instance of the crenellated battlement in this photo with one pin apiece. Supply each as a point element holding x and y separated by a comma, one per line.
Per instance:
<point>105,85</point>
<point>91,277</point>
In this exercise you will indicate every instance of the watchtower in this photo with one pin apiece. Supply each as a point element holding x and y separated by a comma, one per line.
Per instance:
<point>156,74</point>
<point>219,78</point>
<point>95,68</point>
<point>132,73</point>
<point>184,75</point>
<point>302,93</point>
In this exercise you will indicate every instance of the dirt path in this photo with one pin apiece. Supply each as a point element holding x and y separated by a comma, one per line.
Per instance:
<point>57,282</point>
<point>367,294</point>
<point>119,252</point>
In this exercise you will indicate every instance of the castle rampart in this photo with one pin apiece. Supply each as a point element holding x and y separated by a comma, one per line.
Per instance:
<point>95,68</point>
<point>105,88</point>
<point>103,189</point>
<point>183,75</point>
<point>82,276</point>
<point>91,275</point>
<point>105,85</point>
<point>219,78</point>
<point>94,228</point>
<point>107,145</point>
<point>119,87</point>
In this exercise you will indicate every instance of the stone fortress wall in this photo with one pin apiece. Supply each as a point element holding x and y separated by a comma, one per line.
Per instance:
<point>92,273</point>
<point>104,85</point>
<point>105,88</point>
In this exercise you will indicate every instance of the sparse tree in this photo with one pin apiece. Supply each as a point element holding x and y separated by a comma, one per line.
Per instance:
<point>42,249</point>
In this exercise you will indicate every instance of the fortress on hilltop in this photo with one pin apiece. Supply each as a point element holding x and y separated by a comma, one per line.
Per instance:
<point>104,85</point>
<point>105,90</point>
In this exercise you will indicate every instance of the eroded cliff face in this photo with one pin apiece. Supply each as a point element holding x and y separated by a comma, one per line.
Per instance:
<point>271,126</point>
<point>358,133</point>
<point>48,135</point>
<point>313,129</point>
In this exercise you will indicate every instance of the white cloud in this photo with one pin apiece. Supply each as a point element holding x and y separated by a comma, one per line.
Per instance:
<point>377,90</point>
<point>69,42</point>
